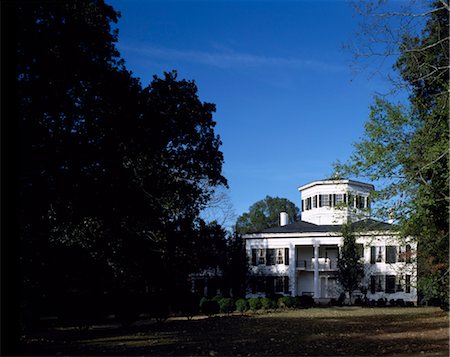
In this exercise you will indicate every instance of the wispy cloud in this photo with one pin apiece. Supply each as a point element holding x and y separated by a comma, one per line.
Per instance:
<point>226,58</point>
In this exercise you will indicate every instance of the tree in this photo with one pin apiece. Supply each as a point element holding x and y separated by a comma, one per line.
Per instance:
<point>350,267</point>
<point>406,145</point>
<point>112,176</point>
<point>265,214</point>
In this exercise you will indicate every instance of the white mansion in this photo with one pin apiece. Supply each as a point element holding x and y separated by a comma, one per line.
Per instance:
<point>301,258</point>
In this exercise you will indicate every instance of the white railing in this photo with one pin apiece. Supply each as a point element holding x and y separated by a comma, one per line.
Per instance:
<point>324,264</point>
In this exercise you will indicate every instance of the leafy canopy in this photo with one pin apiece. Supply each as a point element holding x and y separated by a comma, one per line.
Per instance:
<point>265,214</point>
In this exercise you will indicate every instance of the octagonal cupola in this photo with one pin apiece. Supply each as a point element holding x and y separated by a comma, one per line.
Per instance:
<point>335,201</point>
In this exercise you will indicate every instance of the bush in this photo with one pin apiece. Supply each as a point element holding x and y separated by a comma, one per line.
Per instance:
<point>409,304</point>
<point>286,302</point>
<point>210,307</point>
<point>381,302</point>
<point>359,301</point>
<point>333,302</point>
<point>400,302</point>
<point>304,301</point>
<point>254,303</point>
<point>267,303</point>
<point>159,307</point>
<point>226,305</point>
<point>372,302</point>
<point>242,305</point>
<point>202,301</point>
<point>217,298</point>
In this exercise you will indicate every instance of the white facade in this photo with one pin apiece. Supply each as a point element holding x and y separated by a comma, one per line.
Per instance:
<point>301,258</point>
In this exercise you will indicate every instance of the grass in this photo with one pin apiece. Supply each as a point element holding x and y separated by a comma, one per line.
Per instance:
<point>311,332</point>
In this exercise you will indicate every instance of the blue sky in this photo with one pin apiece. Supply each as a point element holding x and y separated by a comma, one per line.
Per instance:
<point>288,104</point>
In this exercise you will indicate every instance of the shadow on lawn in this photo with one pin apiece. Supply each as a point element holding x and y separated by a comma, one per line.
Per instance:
<point>274,334</point>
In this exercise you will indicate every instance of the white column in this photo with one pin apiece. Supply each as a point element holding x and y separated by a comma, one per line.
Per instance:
<point>292,269</point>
<point>316,270</point>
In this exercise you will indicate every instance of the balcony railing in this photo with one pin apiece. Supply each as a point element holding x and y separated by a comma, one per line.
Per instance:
<point>324,264</point>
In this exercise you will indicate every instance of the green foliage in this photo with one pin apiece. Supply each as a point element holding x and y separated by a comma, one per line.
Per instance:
<point>112,175</point>
<point>265,214</point>
<point>242,305</point>
<point>286,302</point>
<point>226,305</point>
<point>350,267</point>
<point>268,303</point>
<point>255,303</point>
<point>406,147</point>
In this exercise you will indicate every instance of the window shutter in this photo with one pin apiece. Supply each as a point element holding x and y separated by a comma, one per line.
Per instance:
<point>334,199</point>
<point>303,205</point>
<point>408,253</point>
<point>320,200</point>
<point>372,255</point>
<point>372,284</point>
<point>286,256</point>
<point>344,199</point>
<point>330,198</point>
<point>286,284</point>
<point>253,256</point>
<point>267,256</point>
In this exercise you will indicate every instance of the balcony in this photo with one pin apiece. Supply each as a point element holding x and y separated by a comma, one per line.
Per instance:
<point>325,264</point>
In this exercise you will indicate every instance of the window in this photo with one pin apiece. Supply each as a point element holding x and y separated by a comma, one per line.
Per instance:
<point>351,200</point>
<point>315,201</point>
<point>390,284</point>
<point>360,202</point>
<point>279,284</point>
<point>376,283</point>
<point>391,254</point>
<point>338,199</point>
<point>324,200</point>
<point>308,203</point>
<point>270,256</point>
<point>404,254</point>
<point>261,256</point>
<point>360,250</point>
<point>280,259</point>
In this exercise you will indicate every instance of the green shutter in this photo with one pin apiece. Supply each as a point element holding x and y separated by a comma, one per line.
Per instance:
<point>253,256</point>
<point>286,284</point>
<point>286,256</point>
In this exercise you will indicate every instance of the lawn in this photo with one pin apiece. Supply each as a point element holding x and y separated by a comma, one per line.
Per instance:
<point>312,332</point>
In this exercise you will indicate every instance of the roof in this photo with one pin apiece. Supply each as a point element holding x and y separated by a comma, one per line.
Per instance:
<point>335,181</point>
<point>306,227</point>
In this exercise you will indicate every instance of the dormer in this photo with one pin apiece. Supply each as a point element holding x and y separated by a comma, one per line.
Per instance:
<point>335,202</point>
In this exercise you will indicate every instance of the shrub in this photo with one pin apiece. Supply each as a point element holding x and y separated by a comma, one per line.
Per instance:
<point>372,302</point>
<point>254,303</point>
<point>286,302</point>
<point>226,305</point>
<point>409,304</point>
<point>392,302</point>
<point>217,298</point>
<point>210,307</point>
<point>267,303</point>
<point>359,301</point>
<point>381,302</point>
<point>400,302</point>
<point>304,301</point>
<point>333,302</point>
<point>242,305</point>
<point>202,301</point>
